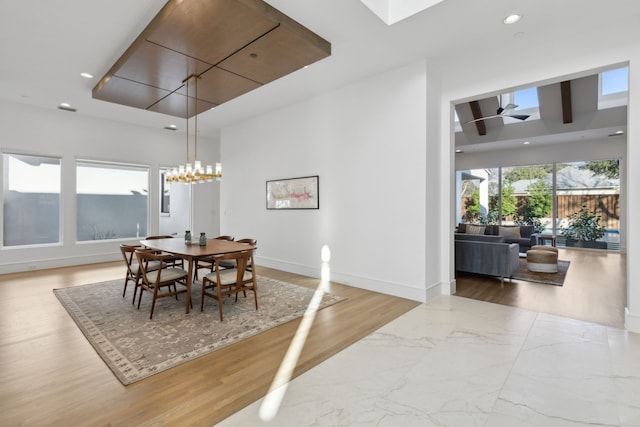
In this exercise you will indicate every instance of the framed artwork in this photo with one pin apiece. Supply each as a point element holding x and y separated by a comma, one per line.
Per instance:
<point>293,193</point>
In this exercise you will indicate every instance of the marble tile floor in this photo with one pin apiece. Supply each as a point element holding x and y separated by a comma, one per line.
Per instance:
<point>460,362</point>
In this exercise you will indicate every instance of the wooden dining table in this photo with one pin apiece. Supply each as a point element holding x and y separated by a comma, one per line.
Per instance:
<point>191,252</point>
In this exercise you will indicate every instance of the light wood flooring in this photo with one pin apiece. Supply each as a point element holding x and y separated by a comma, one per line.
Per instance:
<point>51,376</point>
<point>594,289</point>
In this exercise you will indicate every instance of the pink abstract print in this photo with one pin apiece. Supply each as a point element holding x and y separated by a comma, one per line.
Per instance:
<point>296,193</point>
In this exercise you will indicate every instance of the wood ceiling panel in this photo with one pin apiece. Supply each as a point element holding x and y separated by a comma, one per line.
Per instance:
<point>255,42</point>
<point>274,55</point>
<point>134,94</point>
<point>160,67</point>
<point>211,30</point>
<point>174,105</point>
<point>217,86</point>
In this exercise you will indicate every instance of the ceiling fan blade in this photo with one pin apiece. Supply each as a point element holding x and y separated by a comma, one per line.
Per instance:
<point>510,107</point>
<point>483,118</point>
<point>518,116</point>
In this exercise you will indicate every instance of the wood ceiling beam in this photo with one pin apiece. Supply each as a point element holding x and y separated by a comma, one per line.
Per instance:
<point>565,92</point>
<point>477,114</point>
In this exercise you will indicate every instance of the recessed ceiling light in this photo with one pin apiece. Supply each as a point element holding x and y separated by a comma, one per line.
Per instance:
<point>458,151</point>
<point>87,75</point>
<point>617,133</point>
<point>526,143</point>
<point>512,19</point>
<point>171,127</point>
<point>65,106</point>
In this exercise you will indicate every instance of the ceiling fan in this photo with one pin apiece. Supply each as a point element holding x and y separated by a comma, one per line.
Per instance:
<point>501,112</point>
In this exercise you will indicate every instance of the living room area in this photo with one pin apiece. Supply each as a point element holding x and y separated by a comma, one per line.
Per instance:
<point>541,179</point>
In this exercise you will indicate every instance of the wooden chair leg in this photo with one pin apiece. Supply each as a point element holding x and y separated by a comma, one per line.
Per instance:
<point>153,302</point>
<point>125,285</point>
<point>140,296</point>
<point>219,301</point>
<point>204,284</point>
<point>135,289</point>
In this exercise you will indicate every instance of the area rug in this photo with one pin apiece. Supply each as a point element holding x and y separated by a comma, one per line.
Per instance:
<point>135,347</point>
<point>557,279</point>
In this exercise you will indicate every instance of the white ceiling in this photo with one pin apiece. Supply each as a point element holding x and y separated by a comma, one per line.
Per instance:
<point>45,45</point>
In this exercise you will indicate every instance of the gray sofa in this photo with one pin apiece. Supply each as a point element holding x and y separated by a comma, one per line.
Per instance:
<point>525,237</point>
<point>488,255</point>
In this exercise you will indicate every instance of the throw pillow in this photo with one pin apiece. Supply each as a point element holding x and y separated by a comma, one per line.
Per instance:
<point>475,229</point>
<point>509,232</point>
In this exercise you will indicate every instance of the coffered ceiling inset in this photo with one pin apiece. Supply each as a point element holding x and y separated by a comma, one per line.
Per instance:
<point>235,46</point>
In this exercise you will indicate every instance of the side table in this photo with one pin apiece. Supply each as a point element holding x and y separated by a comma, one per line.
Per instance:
<point>547,238</point>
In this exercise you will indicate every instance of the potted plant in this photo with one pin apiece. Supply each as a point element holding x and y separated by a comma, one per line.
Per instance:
<point>584,230</point>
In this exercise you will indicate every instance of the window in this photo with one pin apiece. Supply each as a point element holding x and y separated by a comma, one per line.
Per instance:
<point>543,196</point>
<point>527,103</point>
<point>165,194</point>
<point>596,185</point>
<point>31,200</point>
<point>478,195</point>
<point>614,88</point>
<point>112,200</point>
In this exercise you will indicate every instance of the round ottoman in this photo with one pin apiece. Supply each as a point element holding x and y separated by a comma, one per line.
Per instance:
<point>542,260</point>
<point>544,248</point>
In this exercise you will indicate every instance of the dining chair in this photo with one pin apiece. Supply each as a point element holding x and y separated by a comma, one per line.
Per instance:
<point>230,264</point>
<point>207,262</point>
<point>173,260</point>
<point>252,242</point>
<point>224,281</point>
<point>154,281</point>
<point>133,268</point>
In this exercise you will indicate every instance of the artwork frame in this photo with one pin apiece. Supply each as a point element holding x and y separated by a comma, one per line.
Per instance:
<point>293,193</point>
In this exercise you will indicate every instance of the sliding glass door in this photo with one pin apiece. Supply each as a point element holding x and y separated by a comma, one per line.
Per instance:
<point>544,196</point>
<point>594,185</point>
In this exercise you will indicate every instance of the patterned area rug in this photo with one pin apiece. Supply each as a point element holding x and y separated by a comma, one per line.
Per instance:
<point>135,347</point>
<point>557,279</point>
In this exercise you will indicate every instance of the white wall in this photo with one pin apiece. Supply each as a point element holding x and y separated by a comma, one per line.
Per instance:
<point>37,131</point>
<point>367,143</point>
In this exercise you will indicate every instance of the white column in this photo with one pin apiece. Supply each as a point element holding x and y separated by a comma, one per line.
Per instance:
<point>632,311</point>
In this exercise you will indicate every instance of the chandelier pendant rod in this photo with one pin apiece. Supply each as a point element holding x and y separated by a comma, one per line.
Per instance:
<point>187,119</point>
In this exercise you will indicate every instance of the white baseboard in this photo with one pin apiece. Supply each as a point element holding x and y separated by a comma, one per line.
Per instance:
<point>43,264</point>
<point>368,283</point>
<point>631,321</point>
<point>449,288</point>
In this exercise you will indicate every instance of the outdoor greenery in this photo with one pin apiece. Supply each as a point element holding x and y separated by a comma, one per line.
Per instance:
<point>527,172</point>
<point>509,201</point>
<point>608,168</point>
<point>473,204</point>
<point>583,225</point>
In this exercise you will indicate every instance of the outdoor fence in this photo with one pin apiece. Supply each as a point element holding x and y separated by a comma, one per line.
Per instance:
<point>607,205</point>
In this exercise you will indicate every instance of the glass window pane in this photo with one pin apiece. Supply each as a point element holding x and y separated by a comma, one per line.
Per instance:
<point>596,186</point>
<point>615,81</point>
<point>112,201</point>
<point>614,88</point>
<point>31,200</point>
<point>528,196</point>
<point>477,193</point>
<point>165,194</point>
